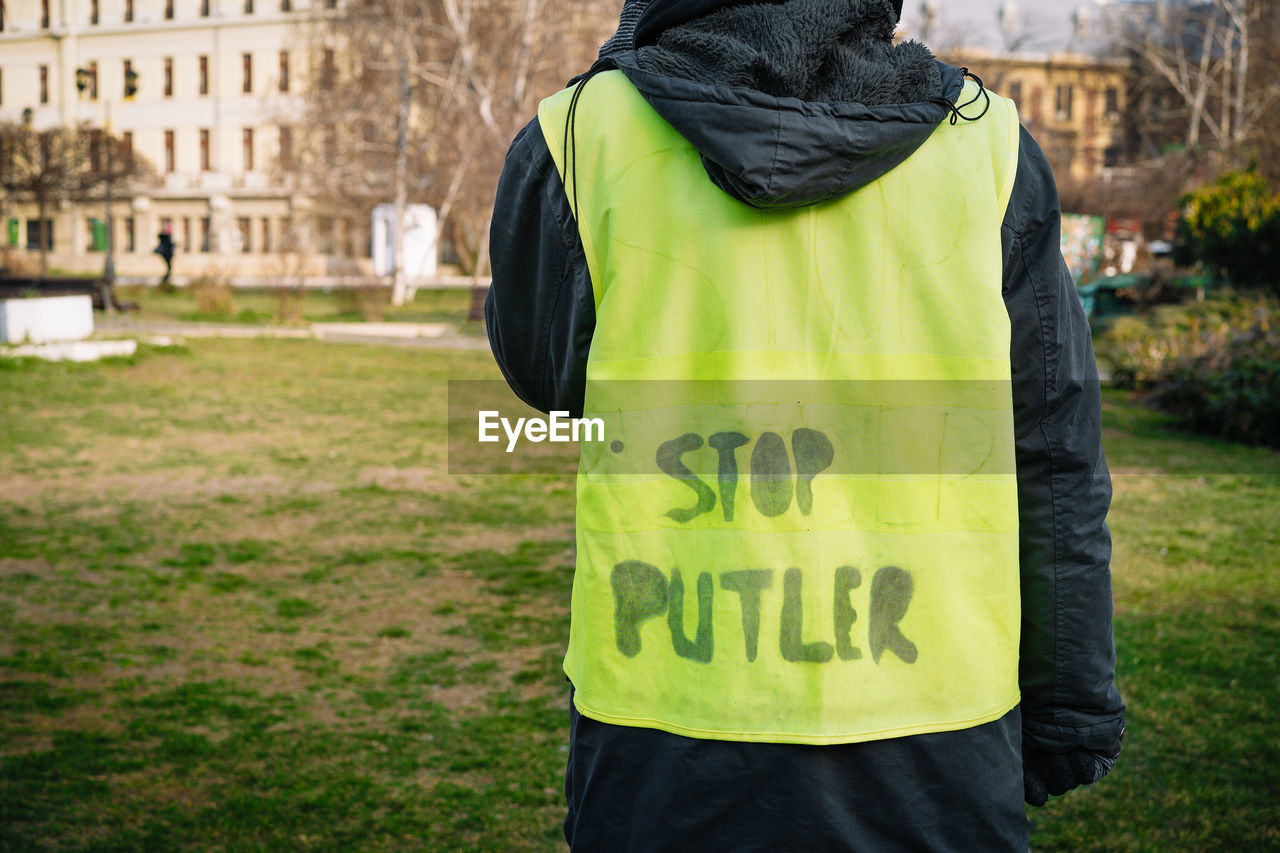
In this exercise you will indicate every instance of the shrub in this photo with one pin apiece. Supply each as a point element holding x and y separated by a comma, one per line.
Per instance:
<point>1233,225</point>
<point>1214,365</point>
<point>288,272</point>
<point>212,291</point>
<point>370,301</point>
<point>288,304</point>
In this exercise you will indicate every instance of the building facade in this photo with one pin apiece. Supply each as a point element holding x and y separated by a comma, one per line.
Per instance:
<point>1073,104</point>
<point>218,84</point>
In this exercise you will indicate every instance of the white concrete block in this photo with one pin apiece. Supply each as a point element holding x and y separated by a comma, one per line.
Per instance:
<point>74,350</point>
<point>48,318</point>
<point>420,233</point>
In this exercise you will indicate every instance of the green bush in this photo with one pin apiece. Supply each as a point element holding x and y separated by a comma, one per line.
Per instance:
<point>1233,226</point>
<point>1214,365</point>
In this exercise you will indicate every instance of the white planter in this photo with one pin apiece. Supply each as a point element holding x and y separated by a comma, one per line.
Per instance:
<point>50,318</point>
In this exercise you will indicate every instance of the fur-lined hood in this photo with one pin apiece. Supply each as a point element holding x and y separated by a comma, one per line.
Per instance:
<point>790,103</point>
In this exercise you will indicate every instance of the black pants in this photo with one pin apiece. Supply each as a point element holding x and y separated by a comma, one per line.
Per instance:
<point>633,789</point>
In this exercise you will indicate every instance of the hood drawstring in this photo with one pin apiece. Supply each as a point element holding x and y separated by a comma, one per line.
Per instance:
<point>955,110</point>
<point>604,63</point>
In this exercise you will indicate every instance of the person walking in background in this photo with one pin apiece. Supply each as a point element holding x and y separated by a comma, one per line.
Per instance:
<point>902,630</point>
<point>164,248</point>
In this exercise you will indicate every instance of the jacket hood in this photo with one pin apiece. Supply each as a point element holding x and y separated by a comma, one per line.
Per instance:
<point>790,103</point>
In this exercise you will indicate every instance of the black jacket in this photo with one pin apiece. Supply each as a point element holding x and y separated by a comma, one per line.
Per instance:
<point>164,246</point>
<point>637,789</point>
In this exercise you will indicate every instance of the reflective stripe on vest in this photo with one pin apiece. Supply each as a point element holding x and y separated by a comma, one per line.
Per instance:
<point>802,523</point>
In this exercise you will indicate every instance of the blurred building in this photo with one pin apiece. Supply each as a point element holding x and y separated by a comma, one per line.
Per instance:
<point>1073,104</point>
<point>217,84</point>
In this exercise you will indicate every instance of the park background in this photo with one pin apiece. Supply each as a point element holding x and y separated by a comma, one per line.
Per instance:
<point>245,603</point>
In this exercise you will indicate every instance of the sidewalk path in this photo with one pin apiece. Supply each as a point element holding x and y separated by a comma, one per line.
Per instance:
<point>310,282</point>
<point>422,335</point>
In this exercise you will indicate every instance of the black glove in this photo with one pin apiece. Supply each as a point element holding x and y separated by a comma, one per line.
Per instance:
<point>1051,774</point>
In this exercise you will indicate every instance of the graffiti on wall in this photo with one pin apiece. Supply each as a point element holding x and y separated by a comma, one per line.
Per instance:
<point>1082,244</point>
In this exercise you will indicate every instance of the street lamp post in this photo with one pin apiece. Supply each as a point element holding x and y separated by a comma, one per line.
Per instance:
<point>109,262</point>
<point>109,265</point>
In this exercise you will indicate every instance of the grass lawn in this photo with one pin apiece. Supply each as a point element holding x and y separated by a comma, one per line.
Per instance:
<point>444,305</point>
<point>244,606</point>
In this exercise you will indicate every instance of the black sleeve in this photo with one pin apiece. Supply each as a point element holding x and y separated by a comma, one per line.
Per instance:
<point>1067,664</point>
<point>540,311</point>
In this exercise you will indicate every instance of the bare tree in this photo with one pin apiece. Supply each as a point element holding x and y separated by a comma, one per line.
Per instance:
<point>417,101</point>
<point>63,163</point>
<point>41,166</point>
<point>1196,55</point>
<point>1262,107</point>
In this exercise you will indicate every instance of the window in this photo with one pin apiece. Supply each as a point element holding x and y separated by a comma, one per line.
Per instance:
<point>93,12</point>
<point>92,88</point>
<point>247,85</point>
<point>204,150</point>
<point>188,235</point>
<point>328,68</point>
<point>266,235</point>
<point>129,234</point>
<point>247,138</point>
<point>97,229</point>
<point>128,11</point>
<point>44,84</point>
<point>44,18</point>
<point>168,10</point>
<point>38,232</point>
<point>345,235</point>
<point>95,151</point>
<point>168,151</point>
<point>205,228</point>
<point>324,229</point>
<point>204,75</point>
<point>1,16</point>
<point>204,8</point>
<point>126,149</point>
<point>331,4</point>
<point>284,71</point>
<point>168,76</point>
<point>286,6</point>
<point>248,7</point>
<point>128,70</point>
<point>286,148</point>
<point>1015,91</point>
<point>245,226</point>
<point>1035,103</point>
<point>1063,103</point>
<point>1113,100</point>
<point>1,78</point>
<point>330,146</point>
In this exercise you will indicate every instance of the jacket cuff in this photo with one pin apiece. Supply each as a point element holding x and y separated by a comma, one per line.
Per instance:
<point>1101,736</point>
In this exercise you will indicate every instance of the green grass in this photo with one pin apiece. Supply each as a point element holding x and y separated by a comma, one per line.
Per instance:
<point>243,606</point>
<point>1194,522</point>
<point>446,305</point>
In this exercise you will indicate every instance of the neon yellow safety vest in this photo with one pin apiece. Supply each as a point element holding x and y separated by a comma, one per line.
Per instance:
<point>801,525</point>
